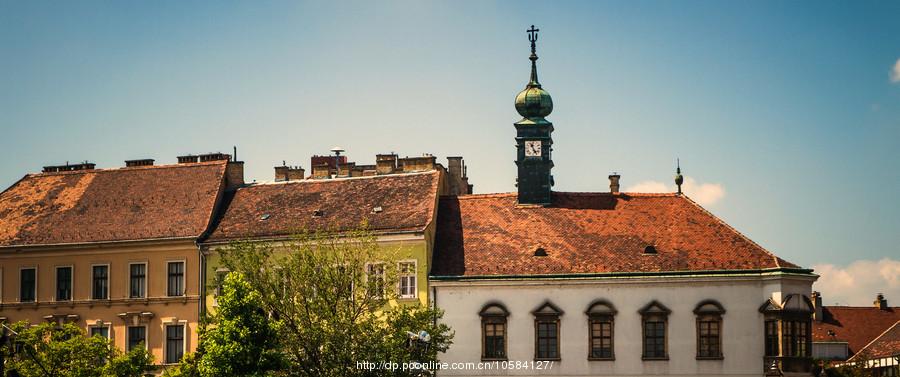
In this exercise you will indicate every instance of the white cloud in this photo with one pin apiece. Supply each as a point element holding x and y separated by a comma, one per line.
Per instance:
<point>705,194</point>
<point>858,283</point>
<point>895,72</point>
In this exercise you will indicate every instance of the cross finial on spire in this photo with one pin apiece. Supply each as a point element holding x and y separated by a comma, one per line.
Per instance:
<point>679,179</point>
<point>532,37</point>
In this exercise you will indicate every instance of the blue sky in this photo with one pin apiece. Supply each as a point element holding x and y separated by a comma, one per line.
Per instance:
<point>785,110</point>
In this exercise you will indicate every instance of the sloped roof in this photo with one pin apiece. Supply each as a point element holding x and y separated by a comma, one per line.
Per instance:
<point>854,324</point>
<point>85,206</point>
<point>588,233</point>
<point>885,345</point>
<point>272,210</point>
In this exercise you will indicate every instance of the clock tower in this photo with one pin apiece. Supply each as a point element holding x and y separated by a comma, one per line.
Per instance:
<point>533,141</point>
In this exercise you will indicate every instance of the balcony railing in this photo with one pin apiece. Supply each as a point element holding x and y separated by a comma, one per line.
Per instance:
<point>786,364</point>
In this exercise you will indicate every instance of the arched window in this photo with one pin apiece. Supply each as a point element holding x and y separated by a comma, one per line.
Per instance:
<point>546,332</point>
<point>601,327</point>
<point>654,320</point>
<point>709,329</point>
<point>493,331</point>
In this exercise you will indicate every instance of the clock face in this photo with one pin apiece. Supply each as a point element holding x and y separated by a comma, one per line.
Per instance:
<point>532,148</point>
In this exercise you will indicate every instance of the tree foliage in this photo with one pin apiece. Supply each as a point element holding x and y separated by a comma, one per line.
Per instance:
<point>330,298</point>
<point>244,340</point>
<point>48,349</point>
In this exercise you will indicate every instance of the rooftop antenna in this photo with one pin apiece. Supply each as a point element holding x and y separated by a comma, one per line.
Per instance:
<point>679,179</point>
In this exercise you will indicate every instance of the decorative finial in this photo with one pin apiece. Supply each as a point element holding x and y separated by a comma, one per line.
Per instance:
<point>678,178</point>
<point>532,37</point>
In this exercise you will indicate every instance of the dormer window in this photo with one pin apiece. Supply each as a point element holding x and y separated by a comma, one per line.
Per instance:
<point>546,332</point>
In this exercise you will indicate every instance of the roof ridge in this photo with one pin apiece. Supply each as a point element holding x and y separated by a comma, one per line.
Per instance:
<point>575,193</point>
<point>742,235</point>
<point>858,353</point>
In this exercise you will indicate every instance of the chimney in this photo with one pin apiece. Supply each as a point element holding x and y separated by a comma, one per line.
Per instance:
<point>321,171</point>
<point>188,159</point>
<point>385,163</point>
<point>214,157</point>
<point>234,174</point>
<point>817,306</point>
<point>881,302</point>
<point>281,172</point>
<point>142,162</point>
<point>415,164</point>
<point>57,168</point>
<point>614,183</point>
<point>459,183</point>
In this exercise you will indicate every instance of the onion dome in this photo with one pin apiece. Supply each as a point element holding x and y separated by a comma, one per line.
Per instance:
<point>534,101</point>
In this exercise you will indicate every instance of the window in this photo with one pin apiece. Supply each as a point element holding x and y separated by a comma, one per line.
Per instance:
<point>600,325</point>
<point>138,278</point>
<point>654,317</point>
<point>407,279</point>
<point>27,284</point>
<point>63,283</point>
<point>100,285</point>
<point>176,279</point>
<point>221,273</point>
<point>174,343</point>
<point>772,338</point>
<point>137,336</point>
<point>102,331</point>
<point>709,329</point>
<point>795,334</point>
<point>493,330</point>
<point>375,278</point>
<point>546,325</point>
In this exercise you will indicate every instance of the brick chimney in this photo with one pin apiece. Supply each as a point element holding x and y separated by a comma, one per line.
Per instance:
<point>321,171</point>
<point>459,182</point>
<point>881,302</point>
<point>234,174</point>
<point>67,167</point>
<point>385,163</point>
<point>288,173</point>
<point>614,183</point>
<point>141,162</point>
<point>817,306</point>
<point>188,159</point>
<point>414,164</point>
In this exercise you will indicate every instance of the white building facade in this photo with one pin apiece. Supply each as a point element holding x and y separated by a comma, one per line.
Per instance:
<point>734,347</point>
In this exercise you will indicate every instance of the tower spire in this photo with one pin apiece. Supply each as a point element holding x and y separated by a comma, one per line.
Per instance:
<point>532,37</point>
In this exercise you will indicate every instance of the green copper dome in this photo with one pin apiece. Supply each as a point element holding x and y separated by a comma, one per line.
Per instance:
<point>534,102</point>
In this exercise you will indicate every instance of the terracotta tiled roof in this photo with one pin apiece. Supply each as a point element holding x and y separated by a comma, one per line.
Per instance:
<point>856,325</point>
<point>406,202</point>
<point>584,233</point>
<point>885,345</point>
<point>152,202</point>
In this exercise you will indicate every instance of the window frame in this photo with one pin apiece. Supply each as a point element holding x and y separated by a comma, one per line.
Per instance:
<point>71,283</point>
<point>709,311</point>
<point>184,337</point>
<point>183,277</point>
<point>546,314</point>
<point>415,279</point>
<point>128,328</point>
<point>601,312</point>
<point>101,325</point>
<point>657,313</point>
<point>494,313</point>
<point>94,280</point>
<point>34,285</point>
<point>145,282</point>
<point>381,276</point>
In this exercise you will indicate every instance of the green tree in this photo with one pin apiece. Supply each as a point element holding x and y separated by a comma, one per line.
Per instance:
<point>243,340</point>
<point>63,350</point>
<point>329,294</point>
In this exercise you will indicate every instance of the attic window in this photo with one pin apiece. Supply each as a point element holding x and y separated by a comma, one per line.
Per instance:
<point>650,250</point>
<point>318,213</point>
<point>377,209</point>
<point>265,216</point>
<point>540,252</point>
